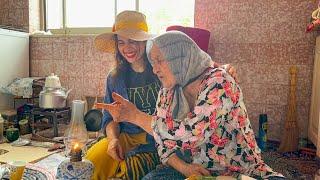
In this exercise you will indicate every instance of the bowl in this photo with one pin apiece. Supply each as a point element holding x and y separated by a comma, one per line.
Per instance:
<point>93,120</point>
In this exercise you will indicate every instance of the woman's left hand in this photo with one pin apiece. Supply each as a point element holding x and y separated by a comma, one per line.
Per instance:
<point>121,109</point>
<point>232,71</point>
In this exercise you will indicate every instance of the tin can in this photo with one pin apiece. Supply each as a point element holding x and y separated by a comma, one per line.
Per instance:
<point>263,128</point>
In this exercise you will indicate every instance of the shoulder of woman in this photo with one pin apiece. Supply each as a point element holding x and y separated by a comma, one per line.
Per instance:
<point>216,72</point>
<point>113,78</point>
<point>216,76</point>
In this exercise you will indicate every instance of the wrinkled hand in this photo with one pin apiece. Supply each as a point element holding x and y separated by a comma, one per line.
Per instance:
<point>195,169</point>
<point>121,109</point>
<point>232,71</point>
<point>115,150</point>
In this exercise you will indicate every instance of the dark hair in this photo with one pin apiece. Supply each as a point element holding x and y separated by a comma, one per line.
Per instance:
<point>122,65</point>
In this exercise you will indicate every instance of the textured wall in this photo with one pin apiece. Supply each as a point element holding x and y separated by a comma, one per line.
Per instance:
<point>74,60</point>
<point>262,39</point>
<point>15,13</point>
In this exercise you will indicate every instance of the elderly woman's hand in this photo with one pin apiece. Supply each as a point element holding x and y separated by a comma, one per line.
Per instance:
<point>121,109</point>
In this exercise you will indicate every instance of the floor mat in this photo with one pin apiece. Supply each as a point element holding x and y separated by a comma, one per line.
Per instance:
<point>292,165</point>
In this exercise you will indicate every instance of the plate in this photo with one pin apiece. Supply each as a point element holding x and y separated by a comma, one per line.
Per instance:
<point>32,172</point>
<point>20,142</point>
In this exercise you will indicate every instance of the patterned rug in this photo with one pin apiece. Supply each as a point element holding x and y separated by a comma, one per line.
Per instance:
<point>293,167</point>
<point>3,151</point>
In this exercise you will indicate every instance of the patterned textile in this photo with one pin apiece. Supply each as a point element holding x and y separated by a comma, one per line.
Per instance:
<point>19,87</point>
<point>217,131</point>
<point>292,168</point>
<point>164,173</point>
<point>104,165</point>
<point>25,87</point>
<point>141,164</point>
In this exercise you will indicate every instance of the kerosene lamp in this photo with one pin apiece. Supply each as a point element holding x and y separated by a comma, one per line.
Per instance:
<point>76,137</point>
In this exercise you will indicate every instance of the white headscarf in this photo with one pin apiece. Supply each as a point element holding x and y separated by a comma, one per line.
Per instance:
<point>186,60</point>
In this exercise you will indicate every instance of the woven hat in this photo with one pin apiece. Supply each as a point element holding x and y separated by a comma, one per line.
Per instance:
<point>129,24</point>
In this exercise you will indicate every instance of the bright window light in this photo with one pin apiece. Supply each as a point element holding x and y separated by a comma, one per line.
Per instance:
<point>125,5</point>
<point>164,13</point>
<point>54,14</point>
<point>93,13</point>
<point>101,13</point>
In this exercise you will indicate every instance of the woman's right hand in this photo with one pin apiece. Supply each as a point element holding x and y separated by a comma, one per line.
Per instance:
<point>194,169</point>
<point>115,150</point>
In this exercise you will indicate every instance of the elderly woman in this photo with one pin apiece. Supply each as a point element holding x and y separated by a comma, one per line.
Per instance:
<point>201,126</point>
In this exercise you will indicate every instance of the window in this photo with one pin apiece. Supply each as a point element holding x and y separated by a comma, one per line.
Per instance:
<point>97,16</point>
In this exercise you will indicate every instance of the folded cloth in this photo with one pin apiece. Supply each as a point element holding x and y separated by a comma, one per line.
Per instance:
<point>21,87</point>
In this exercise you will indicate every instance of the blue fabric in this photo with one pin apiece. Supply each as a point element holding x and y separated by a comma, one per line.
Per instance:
<point>164,173</point>
<point>118,85</point>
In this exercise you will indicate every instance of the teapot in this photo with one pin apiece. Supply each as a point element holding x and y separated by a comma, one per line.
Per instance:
<point>53,96</point>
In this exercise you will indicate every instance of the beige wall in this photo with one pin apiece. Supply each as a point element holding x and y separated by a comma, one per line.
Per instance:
<point>74,60</point>
<point>262,39</point>
<point>15,13</point>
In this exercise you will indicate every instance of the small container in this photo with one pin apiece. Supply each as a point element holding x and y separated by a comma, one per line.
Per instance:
<point>24,126</point>
<point>12,134</point>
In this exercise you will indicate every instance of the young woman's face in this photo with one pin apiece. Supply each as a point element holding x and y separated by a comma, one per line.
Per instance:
<point>131,50</point>
<point>161,68</point>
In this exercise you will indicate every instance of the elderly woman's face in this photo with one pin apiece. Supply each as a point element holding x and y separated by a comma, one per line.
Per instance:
<point>161,68</point>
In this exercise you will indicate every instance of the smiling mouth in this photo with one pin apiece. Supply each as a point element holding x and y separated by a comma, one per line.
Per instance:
<point>130,55</point>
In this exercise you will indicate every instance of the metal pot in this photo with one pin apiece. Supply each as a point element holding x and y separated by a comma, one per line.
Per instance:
<point>53,98</point>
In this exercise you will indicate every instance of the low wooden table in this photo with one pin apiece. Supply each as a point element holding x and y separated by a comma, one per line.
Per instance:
<point>29,154</point>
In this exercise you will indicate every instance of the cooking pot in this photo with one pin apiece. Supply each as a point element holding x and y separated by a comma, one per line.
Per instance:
<point>53,96</point>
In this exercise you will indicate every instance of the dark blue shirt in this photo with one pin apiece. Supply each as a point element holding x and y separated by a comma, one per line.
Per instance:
<point>142,90</point>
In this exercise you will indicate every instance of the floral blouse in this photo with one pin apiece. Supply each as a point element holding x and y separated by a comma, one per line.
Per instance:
<point>217,132</point>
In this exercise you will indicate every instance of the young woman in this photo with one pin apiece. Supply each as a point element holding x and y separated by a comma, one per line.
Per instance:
<point>134,80</point>
<point>127,151</point>
<point>201,125</point>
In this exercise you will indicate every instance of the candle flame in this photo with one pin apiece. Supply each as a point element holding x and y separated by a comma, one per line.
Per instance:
<point>76,146</point>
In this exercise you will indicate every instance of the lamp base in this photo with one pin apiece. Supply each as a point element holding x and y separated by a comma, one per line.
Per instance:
<point>75,170</point>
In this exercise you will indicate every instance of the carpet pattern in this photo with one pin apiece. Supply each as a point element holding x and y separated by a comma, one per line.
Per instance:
<point>292,167</point>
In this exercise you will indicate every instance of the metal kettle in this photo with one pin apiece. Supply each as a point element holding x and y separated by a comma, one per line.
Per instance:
<point>53,96</point>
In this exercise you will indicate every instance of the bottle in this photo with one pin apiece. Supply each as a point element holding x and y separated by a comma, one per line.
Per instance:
<point>1,129</point>
<point>263,127</point>
<point>75,140</point>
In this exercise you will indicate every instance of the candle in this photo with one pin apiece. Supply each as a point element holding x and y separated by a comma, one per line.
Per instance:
<point>76,148</point>
<point>76,153</point>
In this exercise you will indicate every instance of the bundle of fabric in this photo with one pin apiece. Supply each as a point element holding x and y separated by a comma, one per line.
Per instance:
<point>24,87</point>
